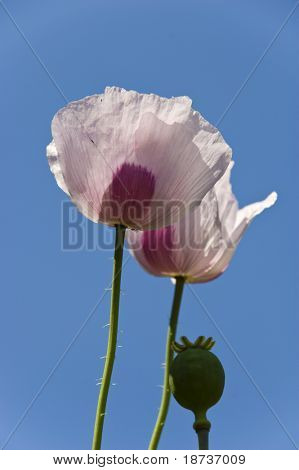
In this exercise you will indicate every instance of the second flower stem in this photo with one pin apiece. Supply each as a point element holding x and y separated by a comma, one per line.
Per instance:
<point>112,340</point>
<point>178,292</point>
<point>203,439</point>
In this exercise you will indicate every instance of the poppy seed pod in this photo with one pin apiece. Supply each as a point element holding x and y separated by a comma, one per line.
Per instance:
<point>196,378</point>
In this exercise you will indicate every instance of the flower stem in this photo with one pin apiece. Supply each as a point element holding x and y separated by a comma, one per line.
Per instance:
<point>203,439</point>
<point>178,292</point>
<point>112,340</point>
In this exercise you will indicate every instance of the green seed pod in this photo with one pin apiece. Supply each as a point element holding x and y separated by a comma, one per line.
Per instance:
<point>196,378</point>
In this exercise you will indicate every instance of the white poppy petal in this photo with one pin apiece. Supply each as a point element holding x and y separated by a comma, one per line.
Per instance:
<point>124,147</point>
<point>55,168</point>
<point>215,269</point>
<point>252,210</point>
<point>191,173</point>
<point>247,214</point>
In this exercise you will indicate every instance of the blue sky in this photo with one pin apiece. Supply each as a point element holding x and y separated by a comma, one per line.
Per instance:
<point>203,49</point>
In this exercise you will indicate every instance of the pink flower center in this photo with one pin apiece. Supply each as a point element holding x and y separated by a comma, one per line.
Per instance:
<point>127,198</point>
<point>158,248</point>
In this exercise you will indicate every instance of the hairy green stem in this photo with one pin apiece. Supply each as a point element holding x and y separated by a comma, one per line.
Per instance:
<point>178,292</point>
<point>112,340</point>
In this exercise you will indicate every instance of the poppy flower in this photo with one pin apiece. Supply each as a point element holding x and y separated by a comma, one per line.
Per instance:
<point>199,247</point>
<point>136,160</point>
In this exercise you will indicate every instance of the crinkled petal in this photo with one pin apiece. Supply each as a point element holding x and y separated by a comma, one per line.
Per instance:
<point>162,139</point>
<point>52,156</point>
<point>234,223</point>
<point>215,269</point>
<point>248,213</point>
